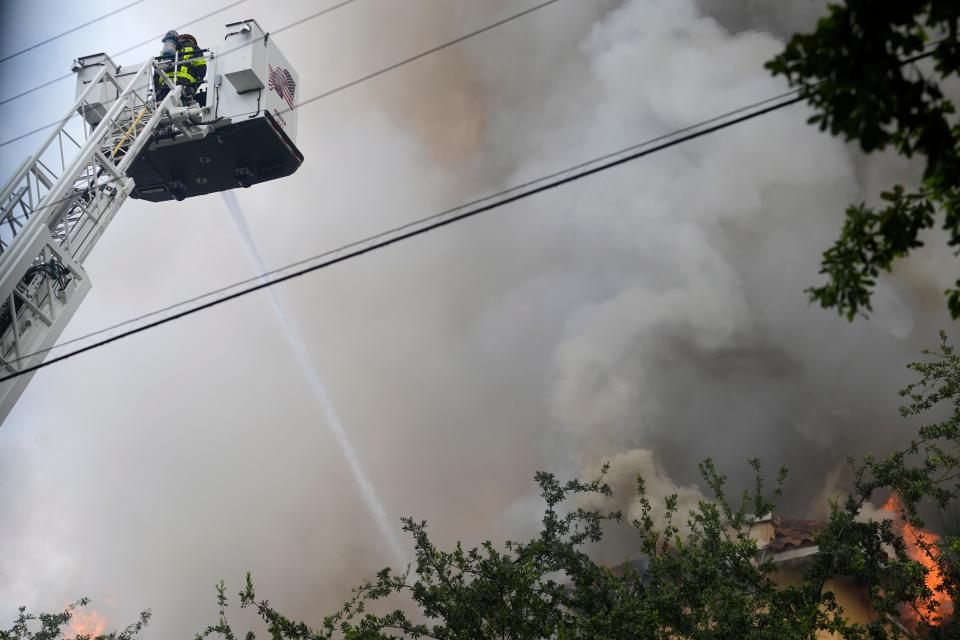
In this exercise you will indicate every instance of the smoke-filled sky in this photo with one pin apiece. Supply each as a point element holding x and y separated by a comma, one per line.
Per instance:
<point>652,315</point>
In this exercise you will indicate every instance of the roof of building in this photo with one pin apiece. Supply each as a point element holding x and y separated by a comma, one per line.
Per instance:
<point>794,533</point>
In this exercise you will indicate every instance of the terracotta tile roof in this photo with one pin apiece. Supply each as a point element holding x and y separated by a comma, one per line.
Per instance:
<point>794,533</point>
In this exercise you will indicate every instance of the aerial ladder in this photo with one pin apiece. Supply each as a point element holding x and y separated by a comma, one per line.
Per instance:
<point>129,140</point>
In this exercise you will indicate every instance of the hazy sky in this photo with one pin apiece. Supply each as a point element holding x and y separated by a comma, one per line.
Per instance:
<point>653,315</point>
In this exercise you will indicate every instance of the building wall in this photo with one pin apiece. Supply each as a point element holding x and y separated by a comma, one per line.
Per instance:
<point>851,595</point>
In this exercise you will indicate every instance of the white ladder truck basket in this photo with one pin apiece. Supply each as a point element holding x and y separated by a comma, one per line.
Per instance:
<point>119,140</point>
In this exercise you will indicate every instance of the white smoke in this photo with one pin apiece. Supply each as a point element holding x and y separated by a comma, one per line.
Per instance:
<point>622,474</point>
<point>653,315</point>
<point>706,346</point>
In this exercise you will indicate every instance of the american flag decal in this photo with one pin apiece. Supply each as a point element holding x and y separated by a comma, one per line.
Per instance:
<point>283,83</point>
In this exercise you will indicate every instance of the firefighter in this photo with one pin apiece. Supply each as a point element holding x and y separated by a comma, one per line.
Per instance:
<point>191,66</point>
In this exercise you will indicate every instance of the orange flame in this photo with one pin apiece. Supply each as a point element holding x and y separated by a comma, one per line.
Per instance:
<point>916,542</point>
<point>87,623</point>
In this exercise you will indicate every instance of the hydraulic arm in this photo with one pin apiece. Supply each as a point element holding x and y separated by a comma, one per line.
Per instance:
<point>57,205</point>
<point>120,140</point>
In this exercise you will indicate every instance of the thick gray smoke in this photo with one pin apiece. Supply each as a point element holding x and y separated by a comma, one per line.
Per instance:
<point>706,348</point>
<point>650,316</point>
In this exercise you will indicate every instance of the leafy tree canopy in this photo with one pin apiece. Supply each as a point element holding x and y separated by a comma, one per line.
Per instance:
<point>708,584</point>
<point>875,73</point>
<point>50,626</point>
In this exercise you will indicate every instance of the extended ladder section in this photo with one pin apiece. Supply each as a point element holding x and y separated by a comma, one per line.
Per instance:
<point>56,207</point>
<point>120,140</point>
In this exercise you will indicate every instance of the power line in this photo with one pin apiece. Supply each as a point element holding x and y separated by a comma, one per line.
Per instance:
<point>69,31</point>
<point>311,17</point>
<point>795,92</point>
<point>369,76</point>
<point>423,54</point>
<point>391,67</point>
<point>297,106</point>
<point>410,224</point>
<point>319,97</point>
<point>280,30</point>
<point>406,235</point>
<point>331,92</point>
<point>929,50</point>
<point>128,49</point>
<point>352,83</point>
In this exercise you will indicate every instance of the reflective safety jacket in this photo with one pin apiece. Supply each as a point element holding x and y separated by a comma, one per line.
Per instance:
<point>191,67</point>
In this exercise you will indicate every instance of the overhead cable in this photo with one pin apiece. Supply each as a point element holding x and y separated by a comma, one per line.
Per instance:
<point>794,92</point>
<point>413,223</point>
<point>423,54</point>
<point>314,98</point>
<point>793,95</point>
<point>128,49</point>
<point>436,221</point>
<point>69,31</point>
<point>369,76</point>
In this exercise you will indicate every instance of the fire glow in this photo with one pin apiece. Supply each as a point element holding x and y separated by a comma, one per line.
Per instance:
<point>921,547</point>
<point>87,623</point>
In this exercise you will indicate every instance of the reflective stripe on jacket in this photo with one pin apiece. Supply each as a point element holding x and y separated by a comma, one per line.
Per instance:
<point>189,70</point>
<point>192,69</point>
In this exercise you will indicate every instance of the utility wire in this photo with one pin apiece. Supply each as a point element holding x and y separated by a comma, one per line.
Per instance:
<point>423,54</point>
<point>392,67</point>
<point>413,223</point>
<point>280,30</point>
<point>128,49</point>
<point>69,31</point>
<point>314,99</point>
<point>394,238</point>
<point>795,92</point>
<point>30,133</point>
<point>311,17</point>
<point>297,106</point>
<point>369,76</point>
<point>326,94</point>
